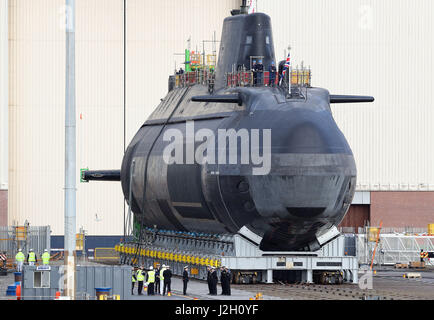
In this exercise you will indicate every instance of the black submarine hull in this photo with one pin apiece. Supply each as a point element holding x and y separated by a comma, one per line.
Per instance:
<point>251,160</point>
<point>307,190</point>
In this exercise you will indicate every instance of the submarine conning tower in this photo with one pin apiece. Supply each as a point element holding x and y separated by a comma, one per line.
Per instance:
<point>245,37</point>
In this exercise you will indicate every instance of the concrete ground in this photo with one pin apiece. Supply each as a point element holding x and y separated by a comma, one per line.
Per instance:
<point>198,289</point>
<point>388,283</point>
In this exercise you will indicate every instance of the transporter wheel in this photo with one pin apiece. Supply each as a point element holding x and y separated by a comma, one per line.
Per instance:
<point>237,278</point>
<point>254,279</point>
<point>322,278</point>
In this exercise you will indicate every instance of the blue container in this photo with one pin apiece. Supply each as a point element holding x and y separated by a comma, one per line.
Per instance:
<point>18,276</point>
<point>11,291</point>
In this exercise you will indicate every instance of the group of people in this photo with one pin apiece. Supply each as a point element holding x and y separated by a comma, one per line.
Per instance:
<point>258,72</point>
<point>158,280</point>
<point>31,258</point>
<point>225,280</point>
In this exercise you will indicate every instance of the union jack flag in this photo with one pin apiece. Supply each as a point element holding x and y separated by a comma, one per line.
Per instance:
<point>287,64</point>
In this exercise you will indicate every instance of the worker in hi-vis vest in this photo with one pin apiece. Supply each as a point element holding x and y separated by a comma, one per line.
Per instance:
<point>140,279</point>
<point>19,258</point>
<point>31,258</point>
<point>163,267</point>
<point>151,280</point>
<point>45,257</point>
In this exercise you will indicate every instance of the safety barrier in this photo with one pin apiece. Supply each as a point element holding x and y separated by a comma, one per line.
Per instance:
<point>247,78</point>
<point>169,255</point>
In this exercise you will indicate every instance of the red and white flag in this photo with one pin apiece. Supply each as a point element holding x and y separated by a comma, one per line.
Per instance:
<point>252,6</point>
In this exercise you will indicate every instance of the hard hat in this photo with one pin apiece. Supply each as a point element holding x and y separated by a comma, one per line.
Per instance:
<point>163,266</point>
<point>31,250</point>
<point>20,250</point>
<point>46,250</point>
<point>186,267</point>
<point>151,268</point>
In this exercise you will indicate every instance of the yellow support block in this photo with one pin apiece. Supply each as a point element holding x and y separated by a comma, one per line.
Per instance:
<point>202,261</point>
<point>171,256</point>
<point>159,254</point>
<point>188,259</point>
<point>197,260</point>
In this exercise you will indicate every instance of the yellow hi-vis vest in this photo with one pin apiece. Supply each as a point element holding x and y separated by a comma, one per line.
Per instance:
<point>133,279</point>
<point>45,258</point>
<point>161,275</point>
<point>140,276</point>
<point>20,257</point>
<point>151,276</point>
<point>32,257</point>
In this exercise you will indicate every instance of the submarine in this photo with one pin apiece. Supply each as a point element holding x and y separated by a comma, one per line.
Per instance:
<point>259,157</point>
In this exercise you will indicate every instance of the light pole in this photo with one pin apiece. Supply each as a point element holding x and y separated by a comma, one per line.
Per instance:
<point>70,151</point>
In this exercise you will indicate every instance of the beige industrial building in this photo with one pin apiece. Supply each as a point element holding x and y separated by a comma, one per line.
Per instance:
<point>378,48</point>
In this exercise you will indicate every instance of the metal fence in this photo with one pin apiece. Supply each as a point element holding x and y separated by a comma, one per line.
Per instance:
<point>25,237</point>
<point>393,248</point>
<point>388,230</point>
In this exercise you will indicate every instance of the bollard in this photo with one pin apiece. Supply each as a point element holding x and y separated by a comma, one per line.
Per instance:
<point>57,295</point>
<point>18,292</point>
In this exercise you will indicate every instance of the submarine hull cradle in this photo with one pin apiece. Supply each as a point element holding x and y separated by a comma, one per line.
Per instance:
<point>307,189</point>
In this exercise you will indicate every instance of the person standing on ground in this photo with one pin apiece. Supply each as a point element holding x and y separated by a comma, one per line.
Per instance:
<point>214,281</point>
<point>208,278</point>
<point>31,258</point>
<point>185,280</point>
<point>133,280</point>
<point>167,274</point>
<point>157,280</point>
<point>223,280</point>
<point>19,258</point>
<point>140,280</point>
<point>150,279</point>
<point>228,281</point>
<point>163,268</point>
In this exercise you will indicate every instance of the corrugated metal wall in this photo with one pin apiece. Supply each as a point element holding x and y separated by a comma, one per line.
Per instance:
<point>3,97</point>
<point>155,30</point>
<point>380,48</point>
